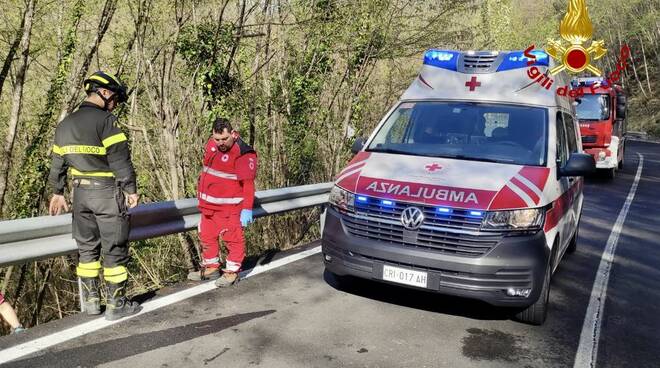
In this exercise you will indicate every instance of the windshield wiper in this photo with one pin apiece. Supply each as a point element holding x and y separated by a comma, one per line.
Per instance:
<point>472,158</point>
<point>390,150</point>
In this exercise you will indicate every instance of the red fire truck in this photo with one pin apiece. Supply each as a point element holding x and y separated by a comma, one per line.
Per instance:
<point>602,116</point>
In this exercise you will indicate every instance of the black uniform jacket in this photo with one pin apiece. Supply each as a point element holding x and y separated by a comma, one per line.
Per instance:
<point>90,143</point>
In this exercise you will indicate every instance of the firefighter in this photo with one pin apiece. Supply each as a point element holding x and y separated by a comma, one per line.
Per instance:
<point>226,193</point>
<point>90,144</point>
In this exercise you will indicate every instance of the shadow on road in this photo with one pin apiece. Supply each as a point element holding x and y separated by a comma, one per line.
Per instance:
<point>418,299</point>
<point>112,350</point>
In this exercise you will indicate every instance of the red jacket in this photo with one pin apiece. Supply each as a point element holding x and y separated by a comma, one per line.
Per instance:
<point>227,180</point>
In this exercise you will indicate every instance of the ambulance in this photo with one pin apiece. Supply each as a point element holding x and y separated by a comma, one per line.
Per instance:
<point>471,185</point>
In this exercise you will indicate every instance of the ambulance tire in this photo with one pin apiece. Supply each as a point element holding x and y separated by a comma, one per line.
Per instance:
<point>536,313</point>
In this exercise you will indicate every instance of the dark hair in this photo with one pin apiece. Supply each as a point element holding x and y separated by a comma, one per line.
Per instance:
<point>220,124</point>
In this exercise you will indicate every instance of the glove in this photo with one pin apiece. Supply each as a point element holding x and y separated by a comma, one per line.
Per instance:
<point>246,217</point>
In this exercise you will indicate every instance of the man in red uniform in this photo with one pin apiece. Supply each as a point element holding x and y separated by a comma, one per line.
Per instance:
<point>226,194</point>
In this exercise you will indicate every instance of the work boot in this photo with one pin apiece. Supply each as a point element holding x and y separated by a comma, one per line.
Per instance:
<point>205,273</point>
<point>118,305</point>
<point>227,279</point>
<point>90,295</point>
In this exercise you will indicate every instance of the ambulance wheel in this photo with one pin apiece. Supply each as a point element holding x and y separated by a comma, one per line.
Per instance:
<point>536,313</point>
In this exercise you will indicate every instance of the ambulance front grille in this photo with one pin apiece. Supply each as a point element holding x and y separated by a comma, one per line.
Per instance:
<point>457,234</point>
<point>457,219</point>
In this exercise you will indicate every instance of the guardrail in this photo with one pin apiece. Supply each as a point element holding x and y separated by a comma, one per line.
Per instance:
<point>37,238</point>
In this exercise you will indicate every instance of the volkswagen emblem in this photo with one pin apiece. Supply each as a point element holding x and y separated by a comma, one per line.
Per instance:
<point>412,218</point>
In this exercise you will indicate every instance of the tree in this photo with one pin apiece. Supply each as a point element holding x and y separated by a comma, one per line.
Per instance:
<point>17,99</point>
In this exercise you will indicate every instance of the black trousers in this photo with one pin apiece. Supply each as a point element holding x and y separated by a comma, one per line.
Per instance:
<point>100,222</point>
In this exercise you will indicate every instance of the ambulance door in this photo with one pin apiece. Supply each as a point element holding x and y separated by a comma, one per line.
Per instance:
<point>563,202</point>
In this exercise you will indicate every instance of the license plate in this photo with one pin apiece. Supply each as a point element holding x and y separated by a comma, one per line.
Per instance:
<point>404,276</point>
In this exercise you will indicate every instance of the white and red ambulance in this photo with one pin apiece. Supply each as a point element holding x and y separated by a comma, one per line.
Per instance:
<point>470,185</point>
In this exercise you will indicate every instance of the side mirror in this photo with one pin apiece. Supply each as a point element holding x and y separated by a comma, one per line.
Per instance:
<point>578,164</point>
<point>358,145</point>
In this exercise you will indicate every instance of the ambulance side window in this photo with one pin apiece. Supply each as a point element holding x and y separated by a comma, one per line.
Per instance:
<point>561,141</point>
<point>571,134</point>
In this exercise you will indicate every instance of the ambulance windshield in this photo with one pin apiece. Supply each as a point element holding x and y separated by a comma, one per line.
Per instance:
<point>468,131</point>
<point>593,107</point>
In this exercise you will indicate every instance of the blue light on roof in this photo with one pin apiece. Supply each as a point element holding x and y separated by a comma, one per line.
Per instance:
<point>386,202</point>
<point>475,213</point>
<point>444,210</point>
<point>517,59</point>
<point>441,59</point>
<point>362,198</point>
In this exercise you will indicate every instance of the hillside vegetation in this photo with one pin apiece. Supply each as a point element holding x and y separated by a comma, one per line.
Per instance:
<point>299,80</point>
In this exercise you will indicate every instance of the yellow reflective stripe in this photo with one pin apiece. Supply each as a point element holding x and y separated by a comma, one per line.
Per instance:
<point>108,174</point>
<point>80,149</point>
<point>90,269</point>
<point>115,275</point>
<point>100,79</point>
<point>114,139</point>
<point>113,77</point>
<point>57,150</point>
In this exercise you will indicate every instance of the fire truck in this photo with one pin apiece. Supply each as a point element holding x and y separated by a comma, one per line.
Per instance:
<point>602,116</point>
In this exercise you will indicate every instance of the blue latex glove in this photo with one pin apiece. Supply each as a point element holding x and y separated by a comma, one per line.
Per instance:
<point>246,217</point>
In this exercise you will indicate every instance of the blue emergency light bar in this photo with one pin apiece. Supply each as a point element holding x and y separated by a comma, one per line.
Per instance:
<point>589,81</point>
<point>517,60</point>
<point>442,59</point>
<point>447,59</point>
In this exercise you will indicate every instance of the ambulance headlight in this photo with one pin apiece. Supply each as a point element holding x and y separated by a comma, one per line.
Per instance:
<point>342,199</point>
<point>528,219</point>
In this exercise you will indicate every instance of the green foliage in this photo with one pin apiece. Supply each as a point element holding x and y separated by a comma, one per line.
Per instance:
<point>35,168</point>
<point>207,46</point>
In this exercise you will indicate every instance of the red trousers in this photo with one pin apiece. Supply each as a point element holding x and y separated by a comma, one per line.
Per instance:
<point>215,225</point>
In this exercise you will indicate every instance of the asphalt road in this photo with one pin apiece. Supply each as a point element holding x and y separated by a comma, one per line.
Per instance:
<point>298,316</point>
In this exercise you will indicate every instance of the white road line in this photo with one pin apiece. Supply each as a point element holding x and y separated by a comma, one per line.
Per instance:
<point>45,342</point>
<point>587,352</point>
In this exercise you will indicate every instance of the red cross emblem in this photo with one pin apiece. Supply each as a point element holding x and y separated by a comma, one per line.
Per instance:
<point>473,84</point>
<point>433,167</point>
